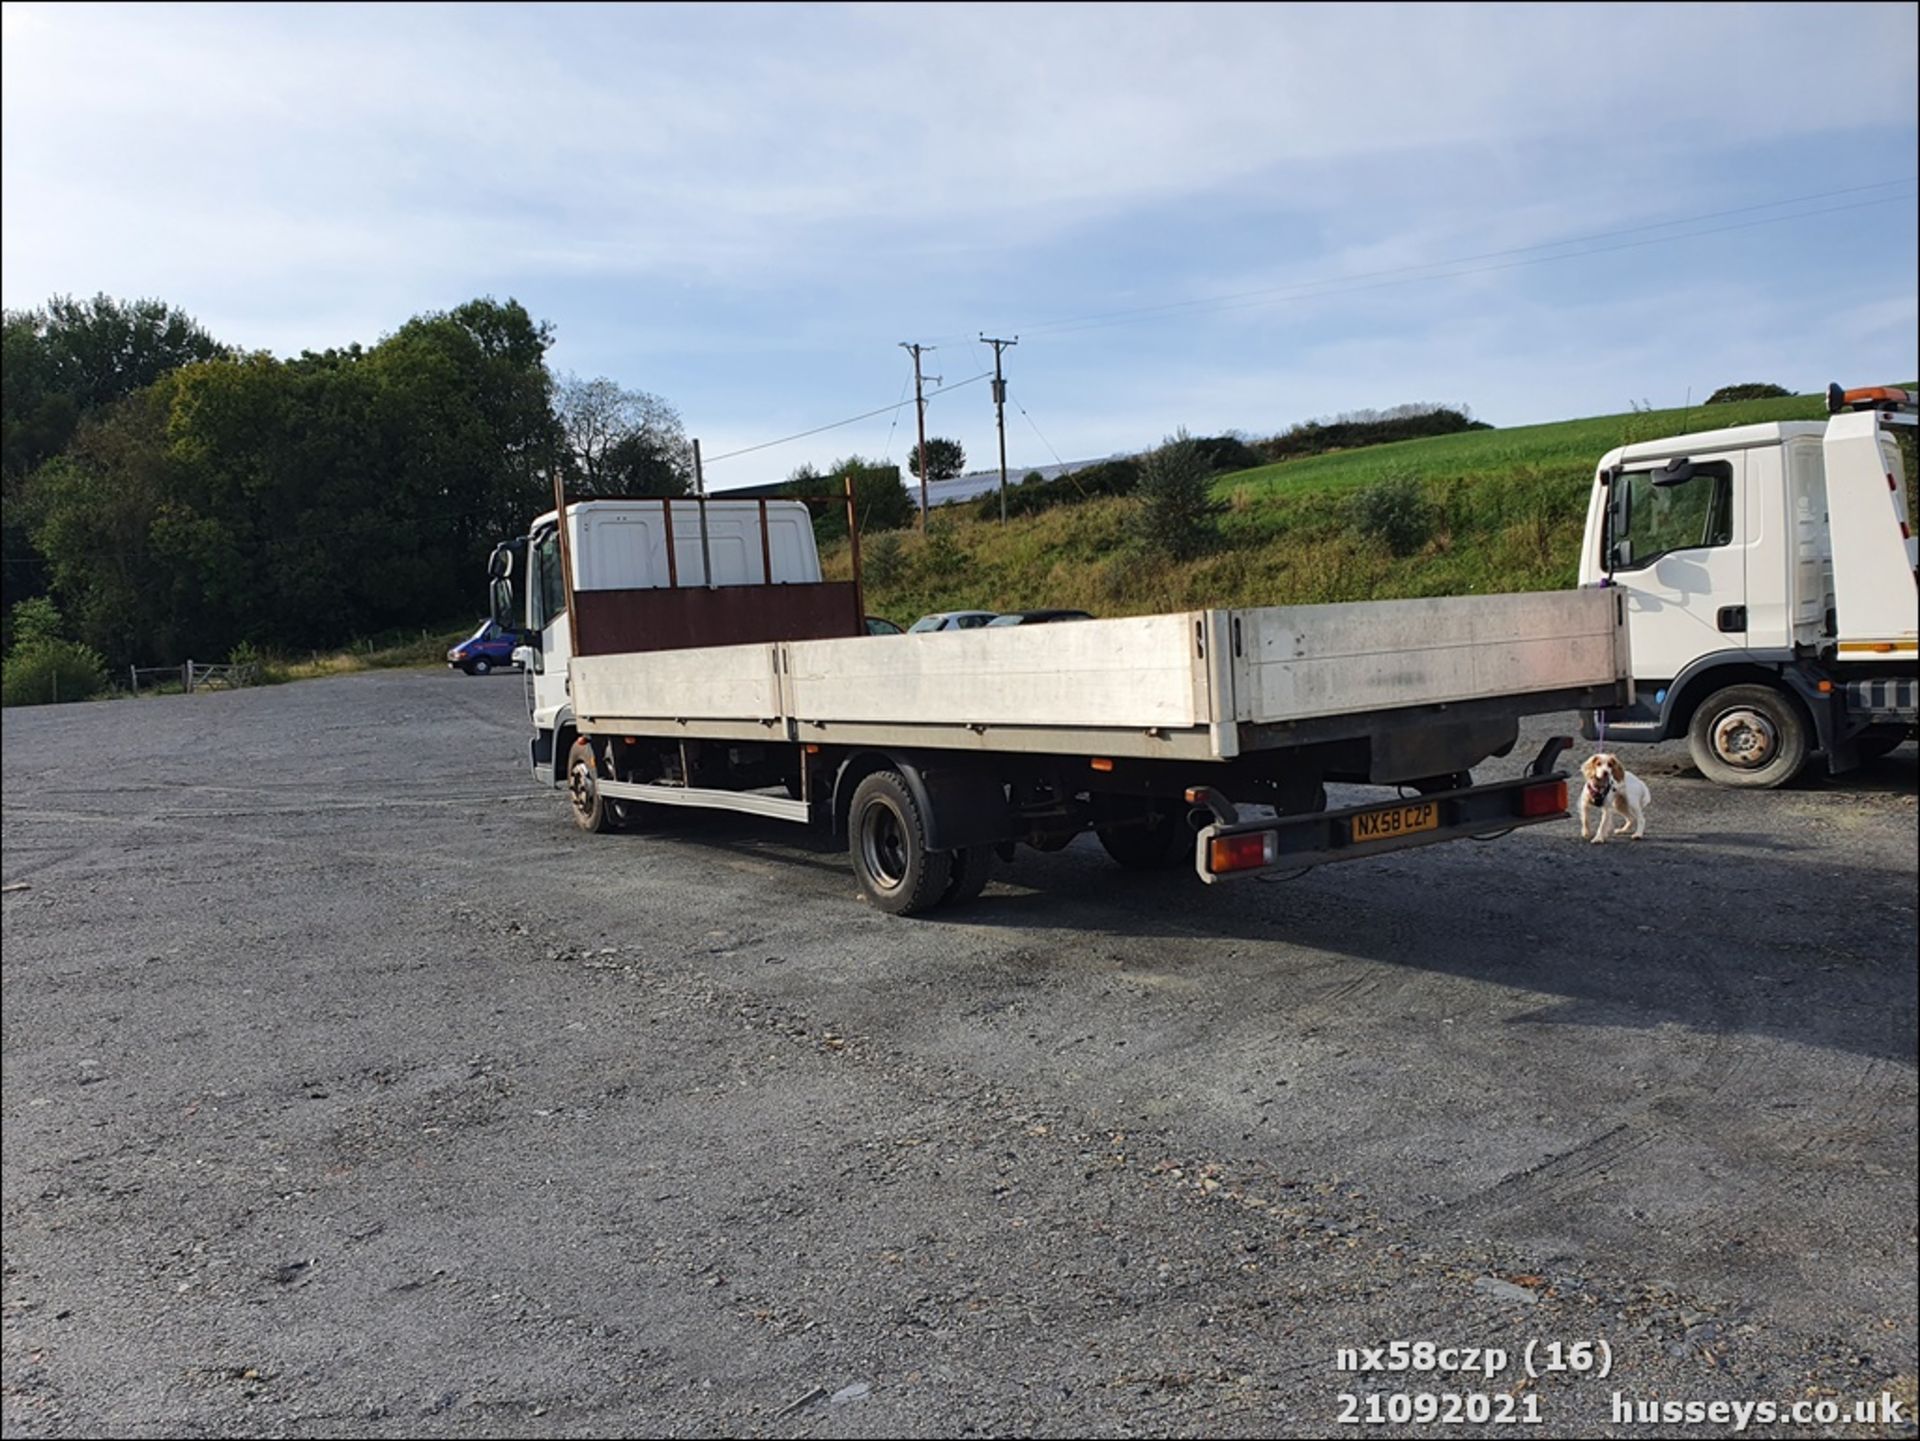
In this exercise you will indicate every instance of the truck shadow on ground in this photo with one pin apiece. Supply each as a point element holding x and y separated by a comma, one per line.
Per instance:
<point>1756,931</point>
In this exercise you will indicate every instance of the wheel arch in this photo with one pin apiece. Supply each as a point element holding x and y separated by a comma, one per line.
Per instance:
<point>962,804</point>
<point>565,733</point>
<point>1693,687</point>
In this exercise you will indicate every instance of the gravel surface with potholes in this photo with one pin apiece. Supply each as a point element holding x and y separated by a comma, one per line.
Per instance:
<point>349,1090</point>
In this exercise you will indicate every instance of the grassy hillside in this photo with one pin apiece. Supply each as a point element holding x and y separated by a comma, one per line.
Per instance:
<point>1508,509</point>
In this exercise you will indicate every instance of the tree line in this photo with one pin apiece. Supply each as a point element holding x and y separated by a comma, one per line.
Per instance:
<point>166,494</point>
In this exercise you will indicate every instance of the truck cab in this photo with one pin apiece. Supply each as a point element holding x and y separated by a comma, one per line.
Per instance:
<point>1769,579</point>
<point>637,564</point>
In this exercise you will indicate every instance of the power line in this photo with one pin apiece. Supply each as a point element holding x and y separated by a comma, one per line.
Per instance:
<point>713,460</point>
<point>886,456</point>
<point>1036,430</point>
<point>1345,284</point>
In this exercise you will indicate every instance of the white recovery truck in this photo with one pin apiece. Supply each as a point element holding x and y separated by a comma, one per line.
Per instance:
<point>688,653</point>
<point>1769,577</point>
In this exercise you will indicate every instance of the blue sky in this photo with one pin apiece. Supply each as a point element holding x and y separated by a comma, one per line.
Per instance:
<point>745,209</point>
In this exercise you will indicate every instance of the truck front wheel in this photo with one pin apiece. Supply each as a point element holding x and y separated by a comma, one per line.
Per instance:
<point>888,844</point>
<point>1748,735</point>
<point>592,811</point>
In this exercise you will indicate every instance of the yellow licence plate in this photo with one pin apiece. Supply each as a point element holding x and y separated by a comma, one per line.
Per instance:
<point>1384,825</point>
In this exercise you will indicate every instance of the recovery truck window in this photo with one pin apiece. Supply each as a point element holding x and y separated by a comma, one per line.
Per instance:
<point>1658,519</point>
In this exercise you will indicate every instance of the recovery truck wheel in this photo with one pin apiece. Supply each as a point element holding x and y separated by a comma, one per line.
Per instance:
<point>888,844</point>
<point>591,811</point>
<point>972,869</point>
<point>1748,735</point>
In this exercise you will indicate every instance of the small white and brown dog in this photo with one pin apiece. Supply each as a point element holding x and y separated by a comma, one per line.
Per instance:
<point>1612,790</point>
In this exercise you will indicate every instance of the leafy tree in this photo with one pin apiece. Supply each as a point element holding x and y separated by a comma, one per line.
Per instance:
<point>60,363</point>
<point>616,438</point>
<point>42,666</point>
<point>1178,514</point>
<point>302,502</point>
<point>33,620</point>
<point>879,498</point>
<point>100,513</point>
<point>77,355</point>
<point>1749,390</point>
<point>643,465</point>
<point>945,459</point>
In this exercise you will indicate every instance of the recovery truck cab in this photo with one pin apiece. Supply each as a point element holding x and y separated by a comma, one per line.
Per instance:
<point>1769,573</point>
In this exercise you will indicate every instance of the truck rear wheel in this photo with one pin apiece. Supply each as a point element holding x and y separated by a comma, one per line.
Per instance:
<point>592,811</point>
<point>1141,834</point>
<point>972,869</point>
<point>1748,735</point>
<point>888,844</point>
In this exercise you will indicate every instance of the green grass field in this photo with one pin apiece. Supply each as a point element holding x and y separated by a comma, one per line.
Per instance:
<point>1508,507</point>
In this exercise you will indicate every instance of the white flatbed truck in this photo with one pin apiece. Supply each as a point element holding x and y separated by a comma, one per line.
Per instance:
<point>1769,578</point>
<point>688,653</point>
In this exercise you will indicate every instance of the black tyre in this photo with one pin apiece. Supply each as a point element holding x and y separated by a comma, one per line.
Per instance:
<point>1163,841</point>
<point>479,665</point>
<point>1750,736</point>
<point>972,869</point>
<point>887,840</point>
<point>592,811</point>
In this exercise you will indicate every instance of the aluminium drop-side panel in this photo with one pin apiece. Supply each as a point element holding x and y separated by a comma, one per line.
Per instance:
<point>1136,672</point>
<point>733,682</point>
<point>1297,662</point>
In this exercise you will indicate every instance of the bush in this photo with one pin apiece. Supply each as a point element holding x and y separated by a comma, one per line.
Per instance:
<point>1228,452</point>
<point>1178,512</point>
<point>942,557</point>
<point>1749,390</point>
<point>1395,511</point>
<point>882,558</point>
<point>1036,493</point>
<point>1368,427</point>
<point>44,671</point>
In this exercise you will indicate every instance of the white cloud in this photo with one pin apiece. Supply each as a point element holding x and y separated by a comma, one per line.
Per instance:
<point>722,181</point>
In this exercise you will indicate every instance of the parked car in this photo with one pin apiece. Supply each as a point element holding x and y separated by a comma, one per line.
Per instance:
<point>880,625</point>
<point>953,620</point>
<point>480,652</point>
<point>1038,617</point>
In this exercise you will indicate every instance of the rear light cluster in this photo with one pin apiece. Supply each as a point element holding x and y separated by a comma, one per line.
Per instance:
<point>1548,798</point>
<point>1248,851</point>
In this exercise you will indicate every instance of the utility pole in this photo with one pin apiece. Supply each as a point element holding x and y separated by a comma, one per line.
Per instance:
<point>920,410</point>
<point>1000,414</point>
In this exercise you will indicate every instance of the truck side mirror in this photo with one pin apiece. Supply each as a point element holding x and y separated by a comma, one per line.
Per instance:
<point>500,593</point>
<point>1622,557</point>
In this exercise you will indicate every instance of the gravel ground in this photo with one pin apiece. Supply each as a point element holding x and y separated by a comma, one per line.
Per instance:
<point>350,1091</point>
